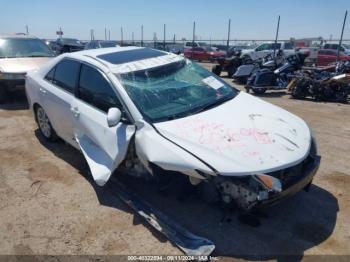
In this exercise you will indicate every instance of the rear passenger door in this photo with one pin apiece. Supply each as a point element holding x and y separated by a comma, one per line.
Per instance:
<point>104,147</point>
<point>57,94</point>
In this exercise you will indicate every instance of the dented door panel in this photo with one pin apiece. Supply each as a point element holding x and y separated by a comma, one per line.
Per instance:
<point>104,147</point>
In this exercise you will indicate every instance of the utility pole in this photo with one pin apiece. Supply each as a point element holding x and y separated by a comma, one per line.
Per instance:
<point>27,30</point>
<point>105,33</point>
<point>132,37</point>
<point>141,35</point>
<point>341,36</point>
<point>193,36</point>
<point>274,48</point>
<point>121,36</point>
<point>228,33</point>
<point>164,37</point>
<point>174,39</point>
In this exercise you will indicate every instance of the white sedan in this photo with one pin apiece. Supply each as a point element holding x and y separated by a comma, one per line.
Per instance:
<point>151,112</point>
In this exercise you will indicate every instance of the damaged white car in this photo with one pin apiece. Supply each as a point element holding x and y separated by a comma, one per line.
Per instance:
<point>141,108</point>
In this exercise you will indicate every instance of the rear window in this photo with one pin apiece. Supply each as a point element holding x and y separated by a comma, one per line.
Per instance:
<point>288,46</point>
<point>131,55</point>
<point>66,74</point>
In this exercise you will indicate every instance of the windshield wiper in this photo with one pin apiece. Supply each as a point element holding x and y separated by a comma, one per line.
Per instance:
<point>213,104</point>
<point>40,56</point>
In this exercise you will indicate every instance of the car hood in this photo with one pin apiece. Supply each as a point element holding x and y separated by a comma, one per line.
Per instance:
<point>247,51</point>
<point>242,136</point>
<point>22,65</point>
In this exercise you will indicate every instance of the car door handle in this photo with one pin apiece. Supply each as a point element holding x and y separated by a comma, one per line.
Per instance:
<point>75,111</point>
<point>42,90</point>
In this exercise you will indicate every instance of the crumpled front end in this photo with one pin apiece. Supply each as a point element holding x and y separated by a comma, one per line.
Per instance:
<point>253,191</point>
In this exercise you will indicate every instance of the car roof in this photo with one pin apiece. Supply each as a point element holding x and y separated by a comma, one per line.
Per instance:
<point>126,59</point>
<point>20,36</point>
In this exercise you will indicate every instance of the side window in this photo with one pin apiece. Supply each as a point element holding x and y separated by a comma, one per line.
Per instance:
<point>262,47</point>
<point>288,46</point>
<point>50,75</point>
<point>198,49</point>
<point>95,90</point>
<point>66,74</point>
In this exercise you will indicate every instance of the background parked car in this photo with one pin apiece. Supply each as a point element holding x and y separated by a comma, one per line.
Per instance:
<point>67,45</point>
<point>94,44</point>
<point>328,56</point>
<point>189,44</point>
<point>343,48</point>
<point>19,54</point>
<point>267,48</point>
<point>203,53</point>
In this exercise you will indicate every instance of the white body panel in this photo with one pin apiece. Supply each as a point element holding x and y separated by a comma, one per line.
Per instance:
<point>257,138</point>
<point>243,136</point>
<point>256,53</point>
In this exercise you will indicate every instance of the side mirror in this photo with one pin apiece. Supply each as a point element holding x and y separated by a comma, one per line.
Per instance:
<point>113,117</point>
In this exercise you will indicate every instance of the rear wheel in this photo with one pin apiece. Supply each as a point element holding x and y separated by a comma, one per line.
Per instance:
<point>44,124</point>
<point>298,93</point>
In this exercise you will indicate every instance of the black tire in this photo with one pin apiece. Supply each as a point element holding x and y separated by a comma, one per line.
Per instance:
<point>246,59</point>
<point>341,94</point>
<point>65,49</point>
<point>259,91</point>
<point>3,94</point>
<point>44,124</point>
<point>231,71</point>
<point>298,93</point>
<point>217,69</point>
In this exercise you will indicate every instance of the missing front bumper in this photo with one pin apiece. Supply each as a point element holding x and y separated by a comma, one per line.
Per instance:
<point>304,181</point>
<point>250,192</point>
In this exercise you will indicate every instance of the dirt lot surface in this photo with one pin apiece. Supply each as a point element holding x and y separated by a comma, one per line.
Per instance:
<point>50,205</point>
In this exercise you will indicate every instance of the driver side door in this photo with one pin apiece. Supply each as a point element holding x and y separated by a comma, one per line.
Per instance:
<point>104,147</point>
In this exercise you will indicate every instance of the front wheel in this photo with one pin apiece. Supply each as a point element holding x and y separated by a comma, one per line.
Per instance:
<point>259,91</point>
<point>44,124</point>
<point>246,59</point>
<point>231,71</point>
<point>298,93</point>
<point>216,70</point>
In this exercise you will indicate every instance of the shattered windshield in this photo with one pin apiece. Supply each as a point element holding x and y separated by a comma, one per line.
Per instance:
<point>175,90</point>
<point>23,47</point>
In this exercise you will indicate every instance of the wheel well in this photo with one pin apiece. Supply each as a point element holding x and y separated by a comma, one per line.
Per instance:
<point>35,107</point>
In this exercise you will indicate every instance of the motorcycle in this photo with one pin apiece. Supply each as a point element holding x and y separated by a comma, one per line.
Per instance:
<point>266,79</point>
<point>228,64</point>
<point>322,84</point>
<point>245,71</point>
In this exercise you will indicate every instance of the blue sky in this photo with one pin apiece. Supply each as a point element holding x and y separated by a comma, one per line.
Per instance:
<point>250,19</point>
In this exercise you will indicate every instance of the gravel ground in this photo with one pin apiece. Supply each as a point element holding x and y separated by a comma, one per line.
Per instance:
<point>50,205</point>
